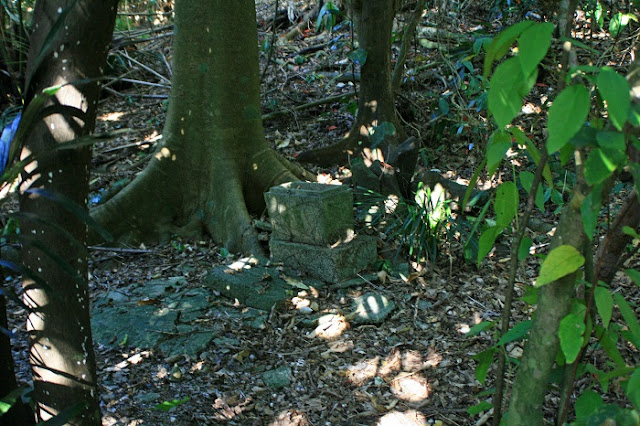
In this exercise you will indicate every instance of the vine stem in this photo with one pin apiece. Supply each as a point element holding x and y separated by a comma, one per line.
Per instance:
<point>508,299</point>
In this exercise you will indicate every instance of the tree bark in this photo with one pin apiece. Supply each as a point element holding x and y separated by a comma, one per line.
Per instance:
<point>376,103</point>
<point>211,170</point>
<point>61,351</point>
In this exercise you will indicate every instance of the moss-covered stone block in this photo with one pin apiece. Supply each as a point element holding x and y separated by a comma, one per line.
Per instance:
<point>310,213</point>
<point>329,264</point>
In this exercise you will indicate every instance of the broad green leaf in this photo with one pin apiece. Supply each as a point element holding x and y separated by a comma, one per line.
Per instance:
<point>571,336</point>
<point>479,408</point>
<point>587,403</point>
<point>561,261</point>
<point>499,144</point>
<point>634,275</point>
<point>566,116</point>
<point>614,146</point>
<point>506,204</point>
<point>486,241</point>
<point>484,359</point>
<point>523,250</point>
<point>598,167</point>
<point>358,56</point>
<point>508,86</point>
<point>526,180</point>
<point>619,21</point>
<point>168,405</point>
<point>630,232</point>
<point>380,132</point>
<point>633,388</point>
<point>604,303</point>
<point>614,89</point>
<point>629,315</point>
<point>533,45</point>
<point>608,341</point>
<point>532,149</point>
<point>501,44</point>
<point>517,332</point>
<point>479,328</point>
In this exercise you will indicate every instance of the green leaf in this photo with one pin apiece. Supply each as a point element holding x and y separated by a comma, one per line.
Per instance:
<point>532,149</point>
<point>508,86</point>
<point>479,328</point>
<point>479,408</point>
<point>590,210</point>
<point>486,241</point>
<point>526,180</point>
<point>608,341</point>
<point>523,250</point>
<point>506,204</point>
<point>566,116</point>
<point>501,44</point>
<point>533,45</point>
<point>604,304</point>
<point>587,403</point>
<point>628,315</point>
<point>380,132</point>
<point>561,261</point>
<point>633,388</point>
<point>571,333</point>
<point>614,89</point>
<point>619,21</point>
<point>598,167</point>
<point>614,146</point>
<point>484,359</point>
<point>358,56</point>
<point>634,275</point>
<point>168,405</point>
<point>517,332</point>
<point>499,144</point>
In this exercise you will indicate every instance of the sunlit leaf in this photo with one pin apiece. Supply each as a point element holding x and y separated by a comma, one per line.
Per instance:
<point>501,44</point>
<point>566,116</point>
<point>614,89</point>
<point>561,261</point>
<point>533,44</point>
<point>508,86</point>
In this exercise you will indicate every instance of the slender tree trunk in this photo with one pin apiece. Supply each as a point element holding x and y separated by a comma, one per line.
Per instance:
<point>376,104</point>
<point>213,166</point>
<point>61,350</point>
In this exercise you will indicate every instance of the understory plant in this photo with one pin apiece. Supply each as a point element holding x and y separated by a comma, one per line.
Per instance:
<point>592,126</point>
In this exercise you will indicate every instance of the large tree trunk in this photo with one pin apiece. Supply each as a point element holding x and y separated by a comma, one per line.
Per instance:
<point>61,350</point>
<point>19,414</point>
<point>376,105</point>
<point>213,165</point>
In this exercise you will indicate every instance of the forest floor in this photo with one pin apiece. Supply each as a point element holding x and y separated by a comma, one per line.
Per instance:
<point>416,366</point>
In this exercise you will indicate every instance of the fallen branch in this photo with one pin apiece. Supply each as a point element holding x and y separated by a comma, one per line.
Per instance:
<point>308,105</point>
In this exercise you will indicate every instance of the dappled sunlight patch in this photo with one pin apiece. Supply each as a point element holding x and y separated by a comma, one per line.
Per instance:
<point>165,153</point>
<point>111,116</point>
<point>362,372</point>
<point>399,418</point>
<point>329,327</point>
<point>290,418</point>
<point>410,387</point>
<point>228,407</point>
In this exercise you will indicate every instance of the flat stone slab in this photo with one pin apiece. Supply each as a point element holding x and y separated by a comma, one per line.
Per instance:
<point>161,314</point>
<point>254,285</point>
<point>310,213</point>
<point>329,264</point>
